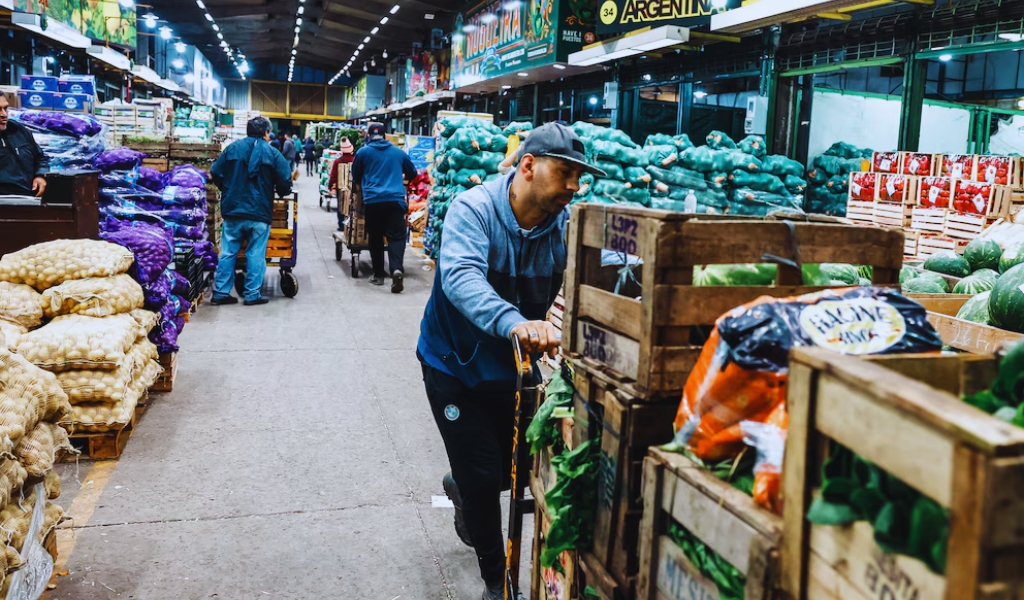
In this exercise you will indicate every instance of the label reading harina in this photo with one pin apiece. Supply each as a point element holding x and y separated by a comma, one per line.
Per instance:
<point>856,326</point>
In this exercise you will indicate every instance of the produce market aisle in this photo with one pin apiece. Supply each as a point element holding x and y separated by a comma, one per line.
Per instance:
<point>295,458</point>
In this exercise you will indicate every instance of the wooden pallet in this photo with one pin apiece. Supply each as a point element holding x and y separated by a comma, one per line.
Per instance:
<point>928,220</point>
<point>922,433</point>
<point>724,518</point>
<point>648,340</point>
<point>106,445</point>
<point>165,383</point>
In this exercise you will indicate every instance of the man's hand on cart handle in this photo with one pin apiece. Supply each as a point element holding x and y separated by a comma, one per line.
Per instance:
<point>538,336</point>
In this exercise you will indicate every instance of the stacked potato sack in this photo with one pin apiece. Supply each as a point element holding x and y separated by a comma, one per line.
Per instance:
<point>611,150</point>
<point>95,340</point>
<point>829,178</point>
<point>470,153</point>
<point>31,404</point>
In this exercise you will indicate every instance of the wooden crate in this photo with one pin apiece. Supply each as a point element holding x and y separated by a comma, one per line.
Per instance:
<point>863,188</point>
<point>910,239</point>
<point>728,521</point>
<point>966,227</point>
<point>920,164</point>
<point>106,445</point>
<point>160,164</point>
<point>999,170</point>
<point>861,213</point>
<point>887,162</point>
<point>648,341</point>
<point>957,166</point>
<point>154,149</point>
<point>595,576</point>
<point>928,245</point>
<point>628,428</point>
<point>165,383</point>
<point>547,583</point>
<point>966,336</point>
<point>984,199</point>
<point>922,433</point>
<point>928,219</point>
<point>935,192</point>
<point>886,214</point>
<point>897,189</point>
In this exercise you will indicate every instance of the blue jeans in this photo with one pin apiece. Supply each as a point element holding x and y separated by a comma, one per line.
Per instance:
<point>256,234</point>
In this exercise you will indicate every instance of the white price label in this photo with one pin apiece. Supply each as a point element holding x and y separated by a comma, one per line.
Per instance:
<point>915,166</point>
<point>933,194</point>
<point>958,170</point>
<point>890,186</point>
<point>979,203</point>
<point>990,174</point>
<point>885,165</point>
<point>855,189</point>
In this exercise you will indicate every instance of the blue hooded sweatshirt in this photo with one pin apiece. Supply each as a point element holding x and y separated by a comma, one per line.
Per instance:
<point>248,172</point>
<point>491,276</point>
<point>379,168</point>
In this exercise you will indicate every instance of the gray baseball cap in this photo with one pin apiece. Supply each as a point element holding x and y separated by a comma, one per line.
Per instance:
<point>558,141</point>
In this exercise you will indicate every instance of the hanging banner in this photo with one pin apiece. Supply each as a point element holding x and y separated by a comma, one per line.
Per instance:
<point>507,36</point>
<point>104,20</point>
<point>426,73</point>
<point>620,16</point>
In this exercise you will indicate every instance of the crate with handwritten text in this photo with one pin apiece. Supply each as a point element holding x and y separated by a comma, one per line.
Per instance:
<point>642,311</point>
<point>702,538</point>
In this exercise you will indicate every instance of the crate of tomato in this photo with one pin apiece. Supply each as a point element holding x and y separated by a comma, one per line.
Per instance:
<point>977,198</point>
<point>886,162</point>
<point>957,166</point>
<point>934,192</point>
<point>1000,170</point>
<point>863,186</point>
<point>897,189</point>
<point>920,164</point>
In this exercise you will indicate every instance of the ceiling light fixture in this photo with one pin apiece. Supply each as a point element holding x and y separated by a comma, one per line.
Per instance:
<point>150,20</point>
<point>298,21</point>
<point>385,55</point>
<point>216,27</point>
<point>302,9</point>
<point>394,9</point>
<point>366,40</point>
<point>180,47</point>
<point>209,18</point>
<point>523,74</point>
<point>384,21</point>
<point>374,30</point>
<point>200,4</point>
<point>429,16</point>
<point>297,29</point>
<point>558,66</point>
<point>178,63</point>
<point>165,32</point>
<point>946,57</point>
<point>220,36</point>
<point>294,51</point>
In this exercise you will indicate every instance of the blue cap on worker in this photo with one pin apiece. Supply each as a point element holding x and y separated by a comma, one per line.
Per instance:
<point>558,141</point>
<point>375,131</point>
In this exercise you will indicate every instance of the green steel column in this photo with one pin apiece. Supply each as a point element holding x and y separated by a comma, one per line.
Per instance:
<point>912,103</point>
<point>685,108</point>
<point>769,83</point>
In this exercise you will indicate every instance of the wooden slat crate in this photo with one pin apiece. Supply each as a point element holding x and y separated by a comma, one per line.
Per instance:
<point>557,311</point>
<point>928,245</point>
<point>966,336</point>
<point>160,164</point>
<point>724,518</point>
<point>887,162</point>
<point>165,383</point>
<point>935,192</point>
<point>928,219</point>
<point>105,445</point>
<point>965,227</point>
<point>910,239</point>
<point>897,189</point>
<point>984,199</point>
<point>922,433</point>
<point>921,164</point>
<point>628,428</point>
<point>546,582</point>
<point>1000,170</point>
<point>888,214</point>
<point>648,341</point>
<point>859,212</point>
<point>863,188</point>
<point>957,166</point>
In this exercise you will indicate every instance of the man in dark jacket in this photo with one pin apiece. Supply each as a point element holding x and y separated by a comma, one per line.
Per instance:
<point>248,173</point>
<point>503,255</point>
<point>309,153</point>
<point>22,163</point>
<point>290,152</point>
<point>379,170</point>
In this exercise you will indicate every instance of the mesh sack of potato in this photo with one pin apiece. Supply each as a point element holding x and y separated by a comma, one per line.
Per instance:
<point>10,335</point>
<point>39,449</point>
<point>51,482</point>
<point>102,417</point>
<point>48,264</point>
<point>20,304</point>
<point>93,297</point>
<point>16,518</point>
<point>146,319</point>
<point>104,385</point>
<point>28,395</point>
<point>13,475</point>
<point>80,342</point>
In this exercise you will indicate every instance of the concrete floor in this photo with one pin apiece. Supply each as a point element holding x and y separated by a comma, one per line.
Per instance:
<point>295,458</point>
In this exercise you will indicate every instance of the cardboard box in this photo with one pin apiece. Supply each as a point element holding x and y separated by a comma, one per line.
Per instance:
<point>72,102</point>
<point>77,84</point>
<point>39,83</point>
<point>36,100</point>
<point>935,192</point>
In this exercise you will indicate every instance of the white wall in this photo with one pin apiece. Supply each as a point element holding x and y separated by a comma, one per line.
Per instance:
<point>1010,137</point>
<point>875,122</point>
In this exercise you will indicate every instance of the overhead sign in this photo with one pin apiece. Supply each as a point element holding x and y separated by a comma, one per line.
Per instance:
<point>620,16</point>
<point>105,20</point>
<point>426,73</point>
<point>501,37</point>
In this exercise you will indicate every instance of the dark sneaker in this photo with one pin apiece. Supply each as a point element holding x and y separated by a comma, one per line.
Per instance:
<point>498,593</point>
<point>452,491</point>
<point>377,280</point>
<point>396,282</point>
<point>256,302</point>
<point>223,300</point>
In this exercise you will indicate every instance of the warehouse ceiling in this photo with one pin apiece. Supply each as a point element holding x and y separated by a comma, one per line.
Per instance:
<point>264,30</point>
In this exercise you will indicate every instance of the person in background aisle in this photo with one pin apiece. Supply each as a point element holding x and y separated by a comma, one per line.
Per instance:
<point>501,263</point>
<point>347,157</point>
<point>379,170</point>
<point>309,153</point>
<point>275,142</point>
<point>291,154</point>
<point>22,162</point>
<point>248,173</point>
<point>318,150</point>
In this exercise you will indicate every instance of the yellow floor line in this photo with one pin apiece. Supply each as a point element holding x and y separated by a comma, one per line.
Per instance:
<point>81,510</point>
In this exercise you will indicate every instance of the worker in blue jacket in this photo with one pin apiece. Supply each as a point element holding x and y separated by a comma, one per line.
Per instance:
<point>248,173</point>
<point>502,258</point>
<point>381,172</point>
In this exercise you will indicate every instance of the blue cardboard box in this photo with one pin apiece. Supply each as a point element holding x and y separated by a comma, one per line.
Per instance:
<point>72,102</point>
<point>77,84</point>
<point>39,83</point>
<point>36,100</point>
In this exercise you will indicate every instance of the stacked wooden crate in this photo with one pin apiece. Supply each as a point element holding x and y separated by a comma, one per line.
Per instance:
<point>634,339</point>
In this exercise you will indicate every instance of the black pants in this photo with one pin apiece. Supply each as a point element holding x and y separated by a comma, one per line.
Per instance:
<point>477,430</point>
<point>386,219</point>
<point>310,165</point>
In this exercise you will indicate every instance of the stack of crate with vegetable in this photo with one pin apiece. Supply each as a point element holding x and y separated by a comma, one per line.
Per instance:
<point>470,150</point>
<point>95,336</point>
<point>633,357</point>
